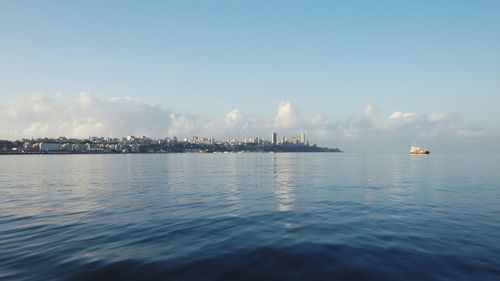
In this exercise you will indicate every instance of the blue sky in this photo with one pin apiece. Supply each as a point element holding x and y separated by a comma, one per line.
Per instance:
<point>207,58</point>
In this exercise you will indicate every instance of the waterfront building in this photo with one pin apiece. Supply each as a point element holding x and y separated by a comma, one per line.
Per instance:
<point>76,147</point>
<point>66,147</point>
<point>134,148</point>
<point>46,147</point>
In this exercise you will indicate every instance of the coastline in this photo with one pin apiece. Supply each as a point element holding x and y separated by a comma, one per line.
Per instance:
<point>163,152</point>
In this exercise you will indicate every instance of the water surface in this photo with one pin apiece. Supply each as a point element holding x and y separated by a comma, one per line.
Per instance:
<point>298,216</point>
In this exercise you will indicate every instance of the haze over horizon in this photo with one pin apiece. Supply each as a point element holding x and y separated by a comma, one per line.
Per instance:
<point>358,75</point>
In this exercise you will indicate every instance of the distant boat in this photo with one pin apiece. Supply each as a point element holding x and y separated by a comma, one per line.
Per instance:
<point>415,149</point>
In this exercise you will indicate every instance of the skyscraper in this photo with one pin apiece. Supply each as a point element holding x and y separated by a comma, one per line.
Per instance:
<point>275,139</point>
<point>303,138</point>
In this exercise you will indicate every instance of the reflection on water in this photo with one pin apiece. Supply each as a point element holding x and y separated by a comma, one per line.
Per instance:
<point>232,193</point>
<point>282,172</point>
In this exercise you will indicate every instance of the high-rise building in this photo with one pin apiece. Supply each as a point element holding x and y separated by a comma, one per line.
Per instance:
<point>303,138</point>
<point>275,139</point>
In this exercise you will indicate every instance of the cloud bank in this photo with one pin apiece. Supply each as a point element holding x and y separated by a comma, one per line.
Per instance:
<point>86,115</point>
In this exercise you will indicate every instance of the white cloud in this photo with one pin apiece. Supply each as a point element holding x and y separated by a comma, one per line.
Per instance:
<point>237,123</point>
<point>234,117</point>
<point>85,115</point>
<point>434,117</point>
<point>85,99</point>
<point>37,128</point>
<point>80,116</point>
<point>371,112</point>
<point>287,116</point>
<point>181,125</point>
<point>404,115</point>
<point>12,113</point>
<point>398,125</point>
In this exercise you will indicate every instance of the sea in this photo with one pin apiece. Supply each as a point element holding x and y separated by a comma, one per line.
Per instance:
<point>250,216</point>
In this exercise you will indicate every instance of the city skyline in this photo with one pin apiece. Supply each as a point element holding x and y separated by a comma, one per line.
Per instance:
<point>367,76</point>
<point>273,139</point>
<point>144,144</point>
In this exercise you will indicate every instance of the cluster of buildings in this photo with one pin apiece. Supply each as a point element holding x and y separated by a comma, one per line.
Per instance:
<point>88,145</point>
<point>294,140</point>
<point>132,144</point>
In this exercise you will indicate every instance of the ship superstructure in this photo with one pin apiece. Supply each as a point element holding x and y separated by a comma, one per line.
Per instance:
<point>415,149</point>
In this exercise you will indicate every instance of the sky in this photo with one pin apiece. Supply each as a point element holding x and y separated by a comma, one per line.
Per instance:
<point>359,75</point>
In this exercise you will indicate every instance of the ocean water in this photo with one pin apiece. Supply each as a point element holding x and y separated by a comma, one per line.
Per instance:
<point>298,216</point>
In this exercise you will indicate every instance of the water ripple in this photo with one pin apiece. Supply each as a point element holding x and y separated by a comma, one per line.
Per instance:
<point>250,217</point>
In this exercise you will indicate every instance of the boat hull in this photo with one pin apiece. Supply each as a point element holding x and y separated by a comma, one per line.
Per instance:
<point>420,152</point>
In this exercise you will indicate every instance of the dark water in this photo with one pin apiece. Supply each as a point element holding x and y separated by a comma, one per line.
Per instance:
<point>250,217</point>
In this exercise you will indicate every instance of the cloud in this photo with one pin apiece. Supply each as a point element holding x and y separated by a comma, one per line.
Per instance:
<point>371,112</point>
<point>37,128</point>
<point>181,125</point>
<point>398,124</point>
<point>434,117</point>
<point>398,115</point>
<point>84,115</point>
<point>234,117</point>
<point>287,116</point>
<point>237,123</point>
<point>81,116</point>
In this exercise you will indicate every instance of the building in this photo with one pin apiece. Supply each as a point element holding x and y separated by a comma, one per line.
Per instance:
<point>209,140</point>
<point>46,146</point>
<point>134,148</point>
<point>274,138</point>
<point>66,147</point>
<point>76,147</point>
<point>303,138</point>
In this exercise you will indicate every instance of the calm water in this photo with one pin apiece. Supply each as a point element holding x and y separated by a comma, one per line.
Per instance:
<point>250,217</point>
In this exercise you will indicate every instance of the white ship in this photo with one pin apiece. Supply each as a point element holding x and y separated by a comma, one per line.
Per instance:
<point>415,149</point>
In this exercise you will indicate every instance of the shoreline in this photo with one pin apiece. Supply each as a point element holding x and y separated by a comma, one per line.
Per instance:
<point>183,152</point>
